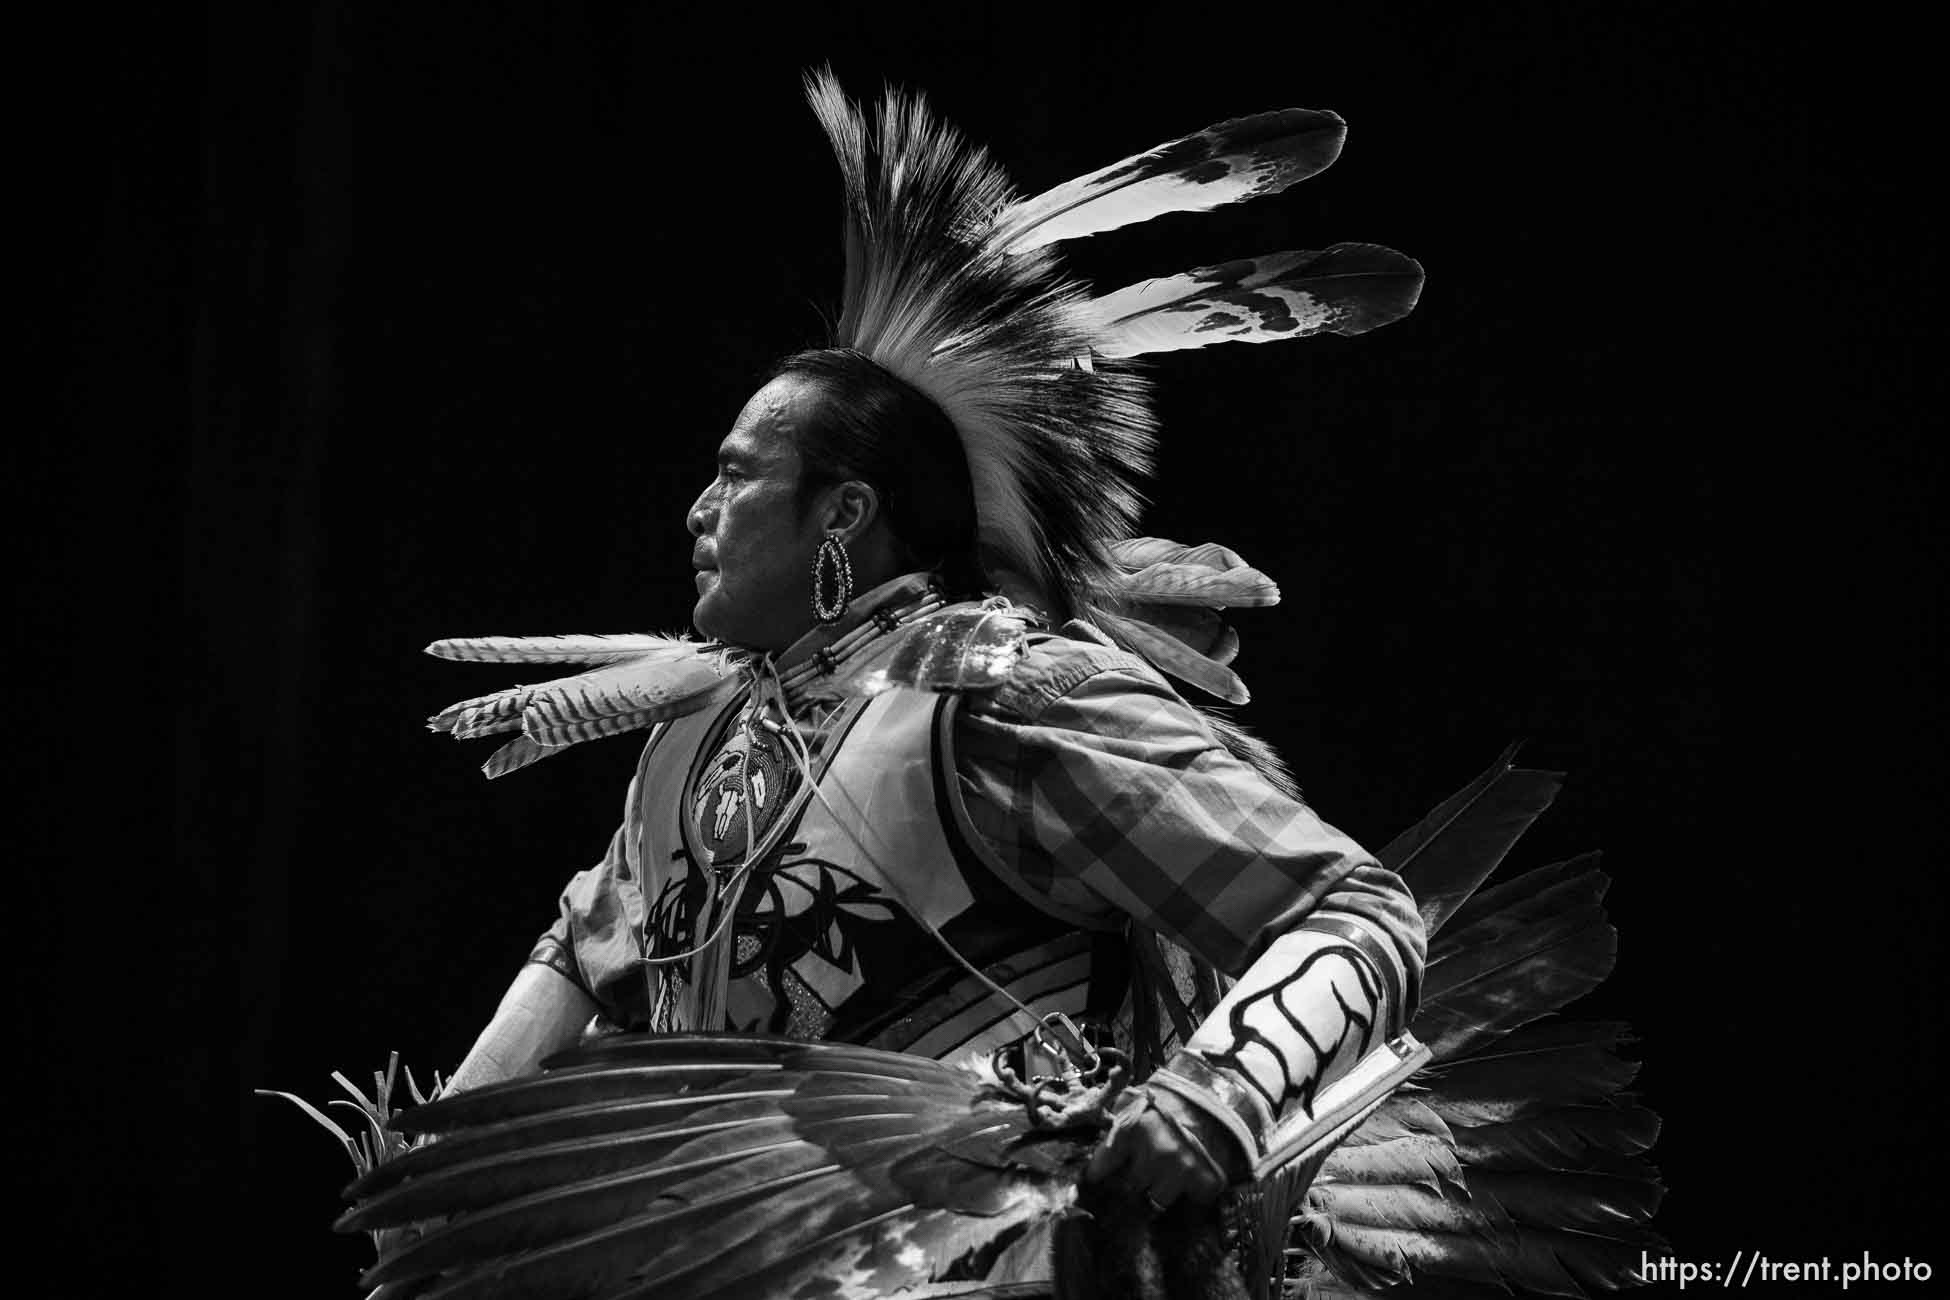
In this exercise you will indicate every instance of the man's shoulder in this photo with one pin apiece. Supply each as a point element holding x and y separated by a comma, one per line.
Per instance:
<point>1057,662</point>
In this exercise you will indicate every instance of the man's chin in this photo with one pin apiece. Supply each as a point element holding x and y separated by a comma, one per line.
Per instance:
<point>701,617</point>
<point>713,621</point>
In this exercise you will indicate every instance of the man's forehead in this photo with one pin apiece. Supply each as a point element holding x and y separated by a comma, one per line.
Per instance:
<point>764,429</point>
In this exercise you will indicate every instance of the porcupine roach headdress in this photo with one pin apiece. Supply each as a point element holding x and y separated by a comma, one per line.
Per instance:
<point>952,285</point>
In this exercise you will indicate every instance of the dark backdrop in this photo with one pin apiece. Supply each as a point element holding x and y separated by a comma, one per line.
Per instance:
<point>384,323</point>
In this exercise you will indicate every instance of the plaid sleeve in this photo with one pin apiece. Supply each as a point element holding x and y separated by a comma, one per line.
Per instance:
<point>582,900</point>
<point>1091,780</point>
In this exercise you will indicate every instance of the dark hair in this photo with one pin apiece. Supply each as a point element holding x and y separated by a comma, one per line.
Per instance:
<point>870,424</point>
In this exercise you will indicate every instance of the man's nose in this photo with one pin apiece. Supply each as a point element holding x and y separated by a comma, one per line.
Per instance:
<point>702,512</point>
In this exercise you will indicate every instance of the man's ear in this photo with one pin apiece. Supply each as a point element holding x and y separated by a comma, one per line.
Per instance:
<point>852,508</point>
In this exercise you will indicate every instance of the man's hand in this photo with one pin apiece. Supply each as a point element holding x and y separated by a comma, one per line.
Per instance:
<point>1163,1148</point>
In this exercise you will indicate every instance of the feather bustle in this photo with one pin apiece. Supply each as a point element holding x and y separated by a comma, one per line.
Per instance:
<point>1553,1196</point>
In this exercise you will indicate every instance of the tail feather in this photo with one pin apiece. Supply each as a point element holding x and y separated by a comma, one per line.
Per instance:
<point>1445,857</point>
<point>1230,162</point>
<point>1538,1068</point>
<point>1346,289</point>
<point>1569,1137</point>
<point>1550,1261</point>
<point>1515,953</point>
<point>1579,1200</point>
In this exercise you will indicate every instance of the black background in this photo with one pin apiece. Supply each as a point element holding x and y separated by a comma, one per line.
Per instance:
<point>377,324</point>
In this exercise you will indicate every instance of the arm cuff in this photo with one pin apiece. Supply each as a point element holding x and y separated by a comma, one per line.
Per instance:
<point>1365,937</point>
<point>551,952</point>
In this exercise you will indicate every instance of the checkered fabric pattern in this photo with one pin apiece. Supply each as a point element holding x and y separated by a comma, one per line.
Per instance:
<point>1097,785</point>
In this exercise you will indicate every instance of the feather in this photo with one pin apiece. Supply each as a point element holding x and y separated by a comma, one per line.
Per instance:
<point>528,1132</point>
<point>1444,857</point>
<point>1191,584</point>
<point>654,687</point>
<point>1202,630</point>
<point>1569,1137</point>
<point>1418,1159</point>
<point>877,1257</point>
<point>707,1167</point>
<point>1169,655</point>
<point>1346,289</point>
<point>1160,570</point>
<point>483,714</point>
<point>637,682</point>
<point>1522,900</point>
<point>641,688</point>
<point>1537,1069</point>
<point>1255,753</point>
<point>558,649</point>
<point>513,756</point>
<point>1519,951</point>
<point>732,1131</point>
<point>1553,1262</point>
<point>1574,1199</point>
<point>1229,162</point>
<point>756,1217</point>
<point>701,1082</point>
<point>1401,1115</point>
<point>1552,1196</point>
<point>555,720</point>
<point>1518,940</point>
<point>563,734</point>
<point>1133,553</point>
<point>1403,1143</point>
<point>1411,1207</point>
<point>613,1236</point>
<point>1562,960</point>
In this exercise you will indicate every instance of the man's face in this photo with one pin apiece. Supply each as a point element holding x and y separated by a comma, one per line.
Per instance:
<point>754,549</point>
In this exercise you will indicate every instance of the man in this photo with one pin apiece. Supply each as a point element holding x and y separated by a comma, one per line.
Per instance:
<point>925,791</point>
<point>1218,860</point>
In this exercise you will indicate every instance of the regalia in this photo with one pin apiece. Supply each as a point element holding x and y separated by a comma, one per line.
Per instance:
<point>792,807</point>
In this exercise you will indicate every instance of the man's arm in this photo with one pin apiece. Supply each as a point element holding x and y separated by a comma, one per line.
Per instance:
<point>1321,998</point>
<point>542,1013</point>
<point>1098,784</point>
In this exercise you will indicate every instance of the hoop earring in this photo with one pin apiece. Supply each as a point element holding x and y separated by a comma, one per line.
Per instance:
<point>831,552</point>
